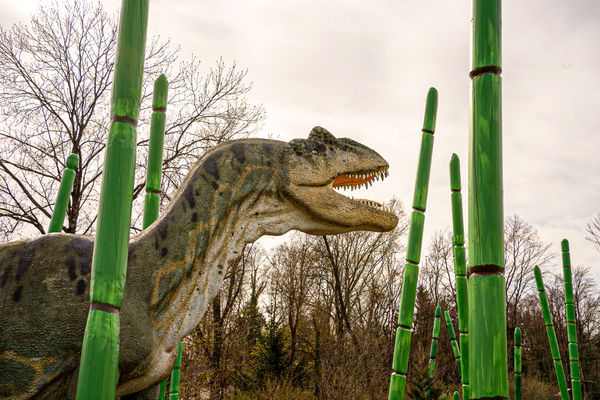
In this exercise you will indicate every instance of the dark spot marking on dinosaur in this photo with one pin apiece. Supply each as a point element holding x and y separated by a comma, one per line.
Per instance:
<point>298,153</point>
<point>215,185</point>
<point>26,256</point>
<point>155,241</point>
<point>268,163</point>
<point>210,165</point>
<point>184,207</point>
<point>321,147</point>
<point>5,276</point>
<point>267,148</point>
<point>71,268</point>
<point>162,229</point>
<point>188,194</point>
<point>195,217</point>
<point>80,286</point>
<point>197,192</point>
<point>17,293</point>
<point>238,152</point>
<point>220,266</point>
<point>164,251</point>
<point>16,373</point>
<point>84,249</point>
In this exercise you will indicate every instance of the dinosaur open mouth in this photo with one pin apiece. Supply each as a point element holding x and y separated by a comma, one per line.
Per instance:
<point>356,180</point>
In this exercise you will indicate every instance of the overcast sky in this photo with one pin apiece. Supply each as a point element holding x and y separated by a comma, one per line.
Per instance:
<point>362,69</point>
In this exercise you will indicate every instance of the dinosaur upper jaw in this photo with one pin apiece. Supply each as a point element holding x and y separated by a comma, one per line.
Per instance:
<point>339,213</point>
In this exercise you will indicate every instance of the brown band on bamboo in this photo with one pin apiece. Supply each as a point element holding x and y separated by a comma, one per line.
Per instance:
<point>412,262</point>
<point>125,120</point>
<point>399,373</point>
<point>159,109</point>
<point>177,367</point>
<point>106,307</point>
<point>418,209</point>
<point>406,328</point>
<point>427,131</point>
<point>455,191</point>
<point>157,191</point>
<point>486,269</point>
<point>490,69</point>
<point>460,244</point>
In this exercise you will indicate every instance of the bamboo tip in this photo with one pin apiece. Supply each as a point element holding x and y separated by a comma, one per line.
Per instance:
<point>72,161</point>
<point>447,316</point>
<point>438,311</point>
<point>564,245</point>
<point>454,172</point>
<point>456,396</point>
<point>430,110</point>
<point>161,87</point>
<point>538,277</point>
<point>517,336</point>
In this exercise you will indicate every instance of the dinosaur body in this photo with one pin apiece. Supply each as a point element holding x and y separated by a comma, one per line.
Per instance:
<point>236,193</point>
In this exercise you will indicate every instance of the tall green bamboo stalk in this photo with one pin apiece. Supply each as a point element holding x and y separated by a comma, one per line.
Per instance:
<point>517,350</point>
<point>175,375</point>
<point>62,197</point>
<point>435,335</point>
<point>155,151</point>
<point>571,324</point>
<point>488,365</point>
<point>558,367</point>
<point>460,271</point>
<point>455,348</point>
<point>413,254</point>
<point>455,396</point>
<point>100,351</point>
<point>154,170</point>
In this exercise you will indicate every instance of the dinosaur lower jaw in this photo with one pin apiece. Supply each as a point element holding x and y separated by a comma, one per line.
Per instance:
<point>341,212</point>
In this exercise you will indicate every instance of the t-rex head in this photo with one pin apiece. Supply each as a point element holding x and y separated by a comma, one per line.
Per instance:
<point>313,167</point>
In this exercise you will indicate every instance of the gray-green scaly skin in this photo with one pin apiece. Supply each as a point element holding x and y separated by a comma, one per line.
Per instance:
<point>236,193</point>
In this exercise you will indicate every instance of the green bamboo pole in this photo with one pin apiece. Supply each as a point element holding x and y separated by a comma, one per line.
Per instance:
<point>154,170</point>
<point>413,254</point>
<point>517,350</point>
<point>488,365</point>
<point>435,335</point>
<point>175,374</point>
<point>456,396</point>
<point>571,324</point>
<point>455,348</point>
<point>162,390</point>
<point>100,352</point>
<point>460,271</point>
<point>62,198</point>
<point>155,151</point>
<point>558,367</point>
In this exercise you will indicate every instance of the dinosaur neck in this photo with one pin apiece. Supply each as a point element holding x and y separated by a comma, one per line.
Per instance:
<point>228,200</point>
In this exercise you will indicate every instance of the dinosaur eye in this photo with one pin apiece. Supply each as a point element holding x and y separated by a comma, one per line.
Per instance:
<point>314,151</point>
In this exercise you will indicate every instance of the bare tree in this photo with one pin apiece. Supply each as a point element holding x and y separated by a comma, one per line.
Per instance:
<point>593,231</point>
<point>437,274</point>
<point>523,249</point>
<point>55,76</point>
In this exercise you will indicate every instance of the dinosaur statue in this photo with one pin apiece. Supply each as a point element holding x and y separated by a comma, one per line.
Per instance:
<point>236,193</point>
